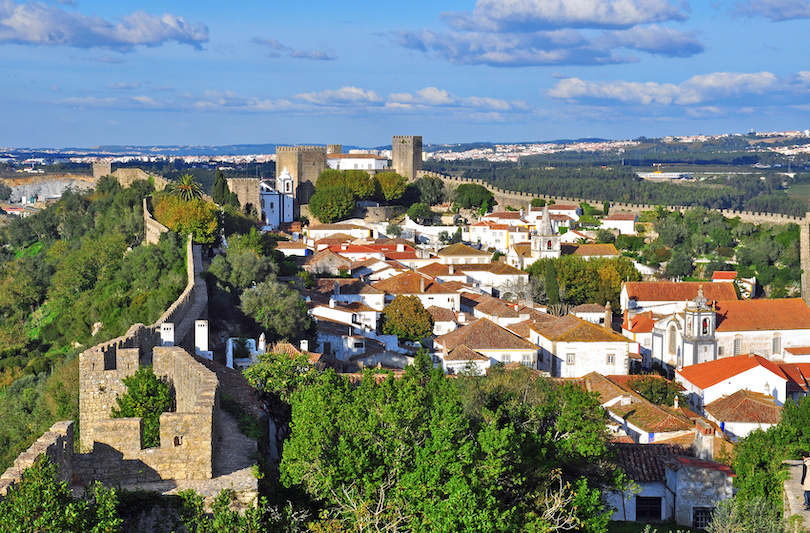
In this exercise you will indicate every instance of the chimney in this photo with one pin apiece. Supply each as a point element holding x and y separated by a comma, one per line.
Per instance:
<point>421,284</point>
<point>304,345</point>
<point>336,291</point>
<point>675,404</point>
<point>517,307</point>
<point>332,303</point>
<point>452,269</point>
<point>608,317</point>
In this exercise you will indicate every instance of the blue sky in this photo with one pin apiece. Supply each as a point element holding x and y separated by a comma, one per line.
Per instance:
<point>81,73</point>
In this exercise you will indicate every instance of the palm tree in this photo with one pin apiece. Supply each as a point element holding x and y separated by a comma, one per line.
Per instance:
<point>185,189</point>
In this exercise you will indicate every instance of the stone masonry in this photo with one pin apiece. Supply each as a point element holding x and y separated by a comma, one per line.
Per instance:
<point>248,191</point>
<point>406,155</point>
<point>305,163</point>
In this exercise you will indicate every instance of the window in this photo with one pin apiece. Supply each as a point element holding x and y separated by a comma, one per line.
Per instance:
<point>506,358</point>
<point>611,359</point>
<point>673,340</point>
<point>646,342</point>
<point>358,344</point>
<point>548,246</point>
<point>705,327</point>
<point>272,205</point>
<point>777,345</point>
<point>648,509</point>
<point>701,516</point>
<point>570,359</point>
<point>527,360</point>
<point>737,346</point>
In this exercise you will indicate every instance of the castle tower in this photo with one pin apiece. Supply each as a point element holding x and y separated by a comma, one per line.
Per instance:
<point>304,164</point>
<point>334,148</point>
<point>407,155</point>
<point>699,343</point>
<point>101,169</point>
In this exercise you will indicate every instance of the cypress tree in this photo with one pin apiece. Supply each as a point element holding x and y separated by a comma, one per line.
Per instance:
<point>552,287</point>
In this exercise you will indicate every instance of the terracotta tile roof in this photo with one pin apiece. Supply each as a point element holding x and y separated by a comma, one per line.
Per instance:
<point>460,249</point>
<point>562,207</point>
<point>641,323</point>
<point>621,216</point>
<point>798,350</point>
<point>289,349</point>
<point>745,406</point>
<point>411,283</point>
<point>442,314</point>
<point>704,375</point>
<point>326,252</point>
<point>589,250</point>
<point>798,375</point>
<point>290,245</point>
<point>671,291</point>
<point>336,227</point>
<point>607,389</point>
<point>753,315</point>
<point>686,440</point>
<point>359,307</point>
<point>724,274</point>
<point>456,285</point>
<point>644,463</point>
<point>652,418</point>
<point>464,353</point>
<point>522,329</point>
<point>355,156</point>
<point>523,249</point>
<point>500,269</point>
<point>573,329</point>
<point>401,256</point>
<point>489,305</point>
<point>698,463</point>
<point>347,286</point>
<point>511,215</point>
<point>560,218</point>
<point>484,335</point>
<point>588,308</point>
<point>434,270</point>
<point>335,238</point>
<point>625,379</point>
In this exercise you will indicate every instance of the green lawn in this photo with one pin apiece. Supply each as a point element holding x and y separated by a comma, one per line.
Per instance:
<point>801,190</point>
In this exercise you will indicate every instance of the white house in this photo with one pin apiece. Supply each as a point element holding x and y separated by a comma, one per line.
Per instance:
<point>624,223</point>
<point>710,381</point>
<point>572,211</point>
<point>666,297</point>
<point>571,348</point>
<point>426,289</point>
<point>461,254</point>
<point>744,411</point>
<point>369,162</point>
<point>482,343</point>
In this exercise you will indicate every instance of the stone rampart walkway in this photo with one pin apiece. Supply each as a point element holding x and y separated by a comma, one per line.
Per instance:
<point>794,494</point>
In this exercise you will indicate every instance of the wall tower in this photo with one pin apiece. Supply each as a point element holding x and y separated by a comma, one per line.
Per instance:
<point>406,152</point>
<point>304,164</point>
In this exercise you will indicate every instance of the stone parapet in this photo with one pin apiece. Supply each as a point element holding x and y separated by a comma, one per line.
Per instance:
<point>56,444</point>
<point>152,228</point>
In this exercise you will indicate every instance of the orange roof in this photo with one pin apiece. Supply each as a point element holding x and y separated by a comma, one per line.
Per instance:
<point>464,353</point>
<point>705,375</point>
<point>641,323</point>
<point>410,283</point>
<point>622,216</point>
<point>753,315</point>
<point>562,207</point>
<point>709,465</point>
<point>798,350</point>
<point>434,269</point>
<point>746,406</point>
<point>573,329</point>
<point>484,335</point>
<point>355,156</point>
<point>513,215</point>
<point>724,274</point>
<point>672,291</point>
<point>461,249</point>
<point>596,249</point>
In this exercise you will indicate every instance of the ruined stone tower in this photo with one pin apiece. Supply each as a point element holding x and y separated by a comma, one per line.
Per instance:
<point>304,163</point>
<point>407,155</point>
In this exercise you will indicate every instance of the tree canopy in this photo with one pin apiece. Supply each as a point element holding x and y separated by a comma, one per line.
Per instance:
<point>407,318</point>
<point>147,397</point>
<point>332,203</point>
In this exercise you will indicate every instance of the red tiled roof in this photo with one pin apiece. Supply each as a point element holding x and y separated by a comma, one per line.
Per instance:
<point>596,250</point>
<point>513,215</point>
<point>562,207</point>
<point>561,218</point>
<point>484,335</point>
<point>411,283</point>
<point>588,308</point>
<point>573,329</point>
<point>798,350</point>
<point>753,315</point>
<point>355,156</point>
<point>644,463</point>
<point>434,269</point>
<point>347,286</point>
<point>745,406</point>
<point>641,323</point>
<point>522,329</point>
<point>464,353</point>
<point>500,269</point>
<point>652,418</point>
<point>671,291</point>
<point>621,216</point>
<point>798,375</point>
<point>460,249</point>
<point>704,375</point>
<point>724,274</point>
<point>441,314</point>
<point>709,465</point>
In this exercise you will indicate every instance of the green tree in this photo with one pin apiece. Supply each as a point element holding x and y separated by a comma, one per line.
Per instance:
<point>679,265</point>
<point>431,190</point>
<point>756,515</point>
<point>242,268</point>
<point>194,217</point>
<point>657,390</point>
<point>147,397</point>
<point>473,196</point>
<point>187,188</point>
<point>407,318</point>
<point>358,181</point>
<point>392,185</point>
<point>276,308</point>
<point>42,503</point>
<point>221,193</point>
<point>552,287</point>
<point>329,204</point>
<point>420,213</point>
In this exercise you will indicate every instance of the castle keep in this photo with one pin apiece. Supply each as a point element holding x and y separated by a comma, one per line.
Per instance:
<point>406,154</point>
<point>305,163</point>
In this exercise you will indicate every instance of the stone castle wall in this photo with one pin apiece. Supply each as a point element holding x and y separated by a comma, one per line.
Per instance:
<point>56,444</point>
<point>305,163</point>
<point>126,176</point>
<point>187,436</point>
<point>406,155</point>
<point>248,191</point>
<point>152,229</point>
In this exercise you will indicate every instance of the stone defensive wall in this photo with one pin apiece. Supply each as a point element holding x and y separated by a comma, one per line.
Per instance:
<point>152,229</point>
<point>56,444</point>
<point>524,199</point>
<point>188,435</point>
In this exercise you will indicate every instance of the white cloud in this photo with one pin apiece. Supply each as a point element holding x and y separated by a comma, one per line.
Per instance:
<point>324,53</point>
<point>531,15</point>
<point>776,10</point>
<point>433,97</point>
<point>696,90</point>
<point>654,40</point>
<point>343,96</point>
<point>42,24</point>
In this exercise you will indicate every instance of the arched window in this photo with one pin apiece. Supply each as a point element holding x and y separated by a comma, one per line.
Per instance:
<point>705,328</point>
<point>777,344</point>
<point>548,246</point>
<point>673,341</point>
<point>737,345</point>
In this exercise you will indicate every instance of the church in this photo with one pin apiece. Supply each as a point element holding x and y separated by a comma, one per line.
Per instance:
<point>277,204</point>
<point>707,332</point>
<point>545,242</point>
